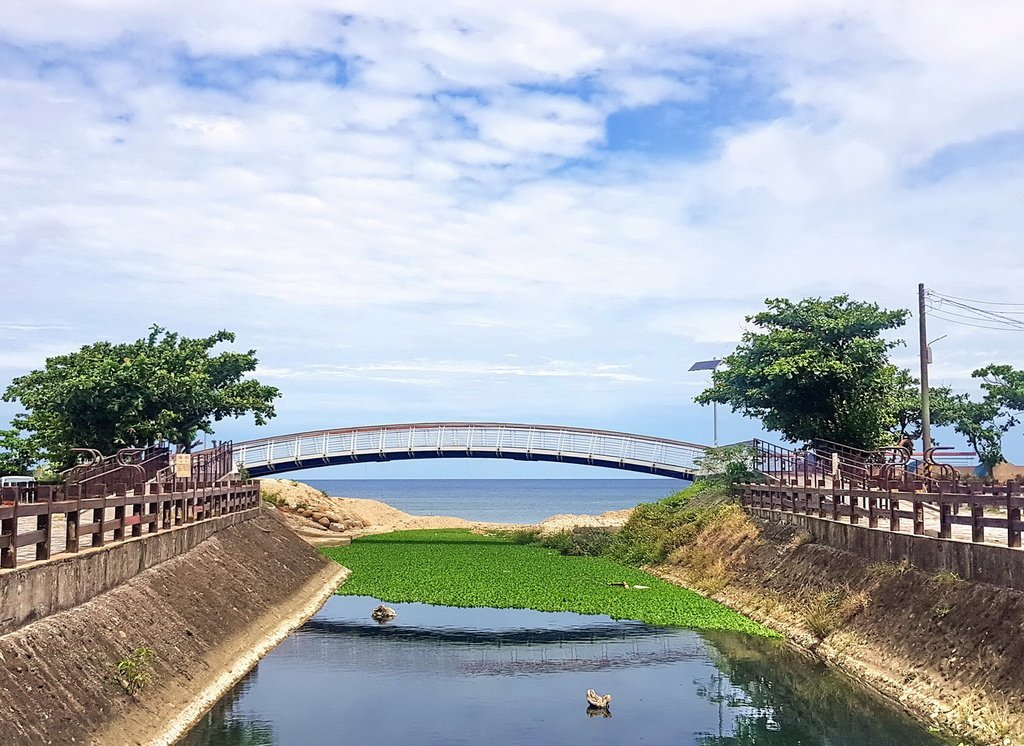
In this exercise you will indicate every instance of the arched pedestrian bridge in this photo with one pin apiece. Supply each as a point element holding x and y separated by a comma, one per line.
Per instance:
<point>572,445</point>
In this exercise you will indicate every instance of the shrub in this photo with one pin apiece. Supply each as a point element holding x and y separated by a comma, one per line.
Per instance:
<point>134,671</point>
<point>725,466</point>
<point>586,541</point>
<point>655,529</point>
<point>522,536</point>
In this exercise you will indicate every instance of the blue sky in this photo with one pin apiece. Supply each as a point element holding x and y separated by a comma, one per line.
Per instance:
<point>466,211</point>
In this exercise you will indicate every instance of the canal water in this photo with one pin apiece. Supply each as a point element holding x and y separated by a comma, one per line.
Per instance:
<point>442,675</point>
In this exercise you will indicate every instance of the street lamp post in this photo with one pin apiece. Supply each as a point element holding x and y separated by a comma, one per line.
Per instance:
<point>710,365</point>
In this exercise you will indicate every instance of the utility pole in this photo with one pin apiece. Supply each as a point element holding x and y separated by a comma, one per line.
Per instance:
<point>926,416</point>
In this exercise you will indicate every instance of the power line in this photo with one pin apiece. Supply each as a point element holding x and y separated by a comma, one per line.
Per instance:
<point>969,300</point>
<point>983,312</point>
<point>938,298</point>
<point>1008,323</point>
<point>958,311</point>
<point>938,315</point>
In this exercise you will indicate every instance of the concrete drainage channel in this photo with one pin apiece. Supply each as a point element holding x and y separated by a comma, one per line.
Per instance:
<point>208,600</point>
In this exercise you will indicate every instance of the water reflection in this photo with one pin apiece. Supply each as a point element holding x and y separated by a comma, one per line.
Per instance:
<point>443,675</point>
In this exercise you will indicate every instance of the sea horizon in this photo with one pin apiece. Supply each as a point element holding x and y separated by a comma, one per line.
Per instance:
<point>503,500</point>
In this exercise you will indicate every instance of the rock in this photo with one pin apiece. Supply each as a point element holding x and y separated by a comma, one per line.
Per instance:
<point>318,516</point>
<point>306,513</point>
<point>322,520</point>
<point>335,526</point>
<point>333,517</point>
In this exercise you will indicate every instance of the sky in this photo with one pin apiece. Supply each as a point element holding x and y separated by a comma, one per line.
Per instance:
<point>529,212</point>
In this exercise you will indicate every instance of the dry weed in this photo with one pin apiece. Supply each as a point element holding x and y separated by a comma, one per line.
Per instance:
<point>886,570</point>
<point>825,612</point>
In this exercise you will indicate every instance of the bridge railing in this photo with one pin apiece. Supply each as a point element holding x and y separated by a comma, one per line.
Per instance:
<point>471,439</point>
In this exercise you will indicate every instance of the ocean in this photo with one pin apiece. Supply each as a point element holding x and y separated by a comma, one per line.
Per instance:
<point>503,500</point>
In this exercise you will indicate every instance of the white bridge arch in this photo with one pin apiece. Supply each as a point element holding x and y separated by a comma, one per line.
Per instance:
<point>605,448</point>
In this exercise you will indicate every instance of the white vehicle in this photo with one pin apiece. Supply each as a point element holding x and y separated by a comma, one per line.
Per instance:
<point>17,481</point>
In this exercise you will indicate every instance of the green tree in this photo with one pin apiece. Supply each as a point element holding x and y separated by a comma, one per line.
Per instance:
<point>818,368</point>
<point>903,405</point>
<point>162,387</point>
<point>18,454</point>
<point>984,423</point>
<point>1005,384</point>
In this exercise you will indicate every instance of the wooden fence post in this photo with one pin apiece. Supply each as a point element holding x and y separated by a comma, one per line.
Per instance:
<point>98,516</point>
<point>945,513</point>
<point>1012,516</point>
<point>43,523</point>
<point>977,519</point>
<point>120,490</point>
<point>9,528</point>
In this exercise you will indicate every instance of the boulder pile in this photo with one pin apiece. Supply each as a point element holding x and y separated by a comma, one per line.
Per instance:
<point>309,508</point>
<point>333,521</point>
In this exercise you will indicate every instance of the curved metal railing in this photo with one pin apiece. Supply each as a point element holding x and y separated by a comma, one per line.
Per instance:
<point>606,448</point>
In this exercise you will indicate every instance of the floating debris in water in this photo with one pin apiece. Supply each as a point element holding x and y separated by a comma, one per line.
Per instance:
<point>600,701</point>
<point>383,614</point>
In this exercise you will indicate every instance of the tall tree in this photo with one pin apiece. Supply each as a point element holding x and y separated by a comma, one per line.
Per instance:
<point>162,387</point>
<point>817,368</point>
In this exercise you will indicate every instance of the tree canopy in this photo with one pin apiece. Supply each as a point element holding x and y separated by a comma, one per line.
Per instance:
<point>162,387</point>
<point>985,422</point>
<point>17,454</point>
<point>817,368</point>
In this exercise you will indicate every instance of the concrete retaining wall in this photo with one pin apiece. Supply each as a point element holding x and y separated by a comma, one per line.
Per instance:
<point>36,591</point>
<point>980,562</point>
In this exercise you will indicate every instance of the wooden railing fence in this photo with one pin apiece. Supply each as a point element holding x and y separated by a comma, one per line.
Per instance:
<point>122,496</point>
<point>150,510</point>
<point>980,507</point>
<point>839,483</point>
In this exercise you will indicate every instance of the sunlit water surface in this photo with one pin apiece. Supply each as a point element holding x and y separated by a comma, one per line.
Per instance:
<point>441,675</point>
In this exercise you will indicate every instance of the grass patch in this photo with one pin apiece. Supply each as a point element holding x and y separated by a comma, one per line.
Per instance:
<point>454,567</point>
<point>889,570</point>
<point>825,612</point>
<point>655,529</point>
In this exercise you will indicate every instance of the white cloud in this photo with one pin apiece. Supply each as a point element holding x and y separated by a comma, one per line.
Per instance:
<point>454,200</point>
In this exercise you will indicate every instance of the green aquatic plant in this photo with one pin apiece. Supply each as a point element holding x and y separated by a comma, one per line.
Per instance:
<point>455,567</point>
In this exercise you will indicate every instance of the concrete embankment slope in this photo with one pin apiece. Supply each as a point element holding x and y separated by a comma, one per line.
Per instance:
<point>207,615</point>
<point>948,649</point>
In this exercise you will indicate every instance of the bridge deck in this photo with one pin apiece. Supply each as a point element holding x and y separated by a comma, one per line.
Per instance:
<point>605,448</point>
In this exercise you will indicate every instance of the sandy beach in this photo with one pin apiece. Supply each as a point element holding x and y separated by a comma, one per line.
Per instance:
<point>344,518</point>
